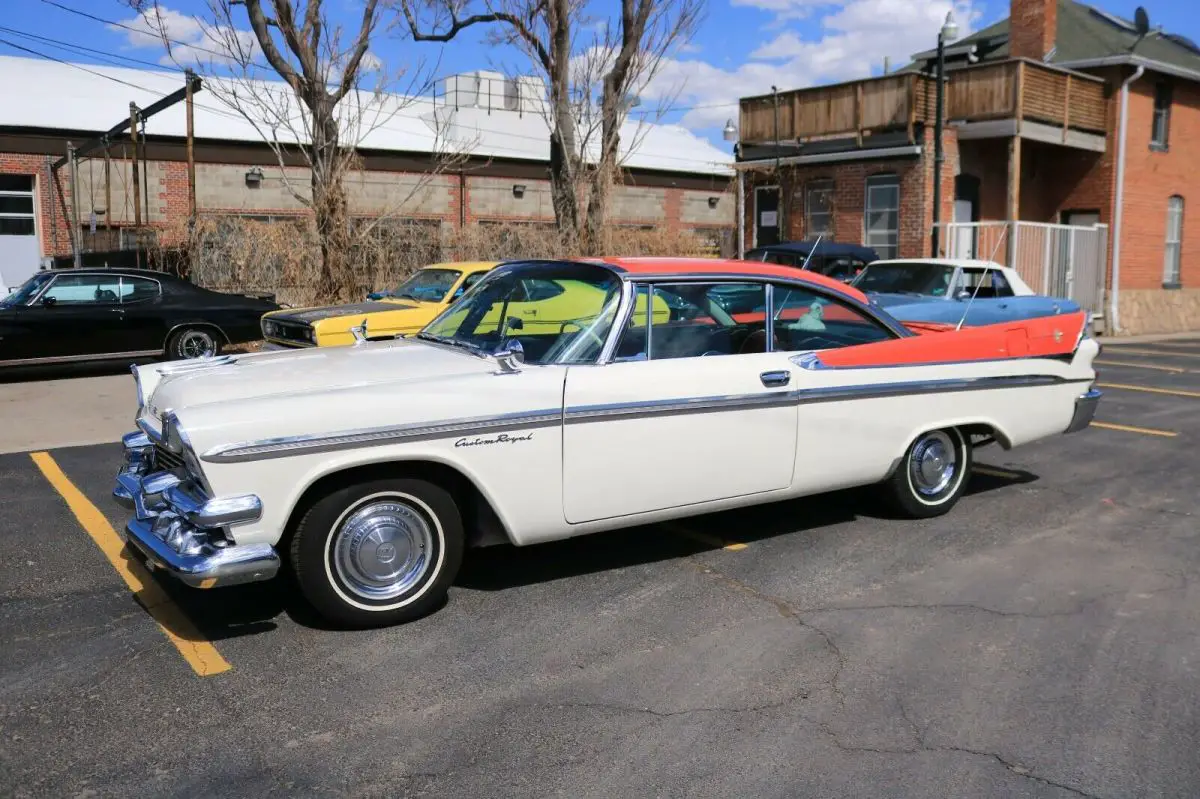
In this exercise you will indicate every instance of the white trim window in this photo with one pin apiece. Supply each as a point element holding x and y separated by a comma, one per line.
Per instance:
<point>818,208</point>
<point>1171,254</point>
<point>881,219</point>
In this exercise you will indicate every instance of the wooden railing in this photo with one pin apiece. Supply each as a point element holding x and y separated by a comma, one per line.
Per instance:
<point>1005,90</point>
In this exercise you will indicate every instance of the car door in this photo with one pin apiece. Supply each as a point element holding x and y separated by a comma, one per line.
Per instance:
<point>77,315</point>
<point>692,410</point>
<point>145,324</point>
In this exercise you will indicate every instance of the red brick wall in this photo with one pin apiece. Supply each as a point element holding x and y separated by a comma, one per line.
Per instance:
<point>849,198</point>
<point>1151,177</point>
<point>51,224</point>
<point>1032,26</point>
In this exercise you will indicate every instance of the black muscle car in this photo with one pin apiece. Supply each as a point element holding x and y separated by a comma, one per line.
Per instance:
<point>64,315</point>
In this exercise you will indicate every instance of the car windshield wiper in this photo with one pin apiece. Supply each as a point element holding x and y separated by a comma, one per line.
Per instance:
<point>453,342</point>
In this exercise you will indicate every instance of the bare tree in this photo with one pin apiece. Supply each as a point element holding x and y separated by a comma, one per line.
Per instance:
<point>334,93</point>
<point>578,56</point>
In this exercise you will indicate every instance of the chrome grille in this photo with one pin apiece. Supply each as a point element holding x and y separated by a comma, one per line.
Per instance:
<point>165,460</point>
<point>292,332</point>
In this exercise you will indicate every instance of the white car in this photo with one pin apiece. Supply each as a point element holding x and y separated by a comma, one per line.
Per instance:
<point>368,469</point>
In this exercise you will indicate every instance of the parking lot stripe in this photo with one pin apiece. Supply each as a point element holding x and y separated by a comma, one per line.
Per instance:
<point>1124,428</point>
<point>1172,354</point>
<point>200,654</point>
<point>704,538</point>
<point>1173,392</point>
<point>1159,367</point>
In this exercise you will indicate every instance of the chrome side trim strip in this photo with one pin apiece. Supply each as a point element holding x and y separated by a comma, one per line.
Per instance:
<point>379,436</point>
<point>584,414</point>
<point>103,356</point>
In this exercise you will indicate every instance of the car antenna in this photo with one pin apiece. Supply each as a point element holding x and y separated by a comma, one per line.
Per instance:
<point>986,269</point>
<point>808,258</point>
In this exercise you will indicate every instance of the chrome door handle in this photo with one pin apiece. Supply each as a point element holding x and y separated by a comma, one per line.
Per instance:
<point>775,379</point>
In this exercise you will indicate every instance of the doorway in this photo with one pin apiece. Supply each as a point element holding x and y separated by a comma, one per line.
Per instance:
<point>766,215</point>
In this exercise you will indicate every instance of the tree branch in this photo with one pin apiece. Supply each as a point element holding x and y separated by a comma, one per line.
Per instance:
<point>258,23</point>
<point>457,25</point>
<point>350,72</point>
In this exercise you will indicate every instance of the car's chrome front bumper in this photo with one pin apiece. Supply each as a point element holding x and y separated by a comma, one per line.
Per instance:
<point>183,531</point>
<point>1085,410</point>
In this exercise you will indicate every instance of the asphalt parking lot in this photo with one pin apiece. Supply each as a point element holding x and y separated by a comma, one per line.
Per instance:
<point>1042,640</point>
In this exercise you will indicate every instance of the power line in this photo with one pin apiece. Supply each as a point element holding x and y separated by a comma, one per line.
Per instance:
<point>78,48</point>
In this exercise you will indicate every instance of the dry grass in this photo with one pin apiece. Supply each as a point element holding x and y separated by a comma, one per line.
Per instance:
<point>283,257</point>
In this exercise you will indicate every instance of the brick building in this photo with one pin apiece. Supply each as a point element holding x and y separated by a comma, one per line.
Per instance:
<point>474,153</point>
<point>1069,153</point>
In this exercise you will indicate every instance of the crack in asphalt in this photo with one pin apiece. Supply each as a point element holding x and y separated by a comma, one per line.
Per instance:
<point>788,612</point>
<point>617,707</point>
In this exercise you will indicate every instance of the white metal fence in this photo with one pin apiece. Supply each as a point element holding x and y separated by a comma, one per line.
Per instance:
<point>1057,260</point>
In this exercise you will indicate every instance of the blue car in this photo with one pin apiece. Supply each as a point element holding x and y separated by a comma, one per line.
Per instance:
<point>942,290</point>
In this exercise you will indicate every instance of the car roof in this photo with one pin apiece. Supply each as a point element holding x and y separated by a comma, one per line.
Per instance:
<point>825,247</point>
<point>70,270</point>
<point>970,263</point>
<point>465,266</point>
<point>667,266</point>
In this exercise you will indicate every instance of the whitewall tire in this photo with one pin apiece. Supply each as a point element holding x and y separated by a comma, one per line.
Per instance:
<point>380,552</point>
<point>933,474</point>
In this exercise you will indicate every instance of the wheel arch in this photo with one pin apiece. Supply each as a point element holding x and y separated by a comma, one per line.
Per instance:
<point>481,522</point>
<point>978,432</point>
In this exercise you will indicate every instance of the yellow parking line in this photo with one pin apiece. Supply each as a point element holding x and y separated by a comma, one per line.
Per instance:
<point>1171,354</point>
<point>1150,389</point>
<point>200,654</point>
<point>1159,367</point>
<point>704,538</point>
<point>993,472</point>
<point>1146,431</point>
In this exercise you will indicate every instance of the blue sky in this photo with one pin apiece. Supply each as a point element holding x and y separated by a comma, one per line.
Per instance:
<point>742,46</point>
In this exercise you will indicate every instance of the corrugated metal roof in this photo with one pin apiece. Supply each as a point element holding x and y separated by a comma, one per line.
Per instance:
<point>50,95</point>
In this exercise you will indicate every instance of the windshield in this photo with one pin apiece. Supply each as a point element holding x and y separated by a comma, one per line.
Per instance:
<point>428,285</point>
<point>27,290</point>
<point>907,278</point>
<point>557,313</point>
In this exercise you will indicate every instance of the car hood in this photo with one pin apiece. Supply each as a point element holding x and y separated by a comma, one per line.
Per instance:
<point>312,315</point>
<point>320,370</point>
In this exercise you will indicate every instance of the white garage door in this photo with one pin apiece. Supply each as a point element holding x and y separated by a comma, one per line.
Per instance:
<point>19,256</point>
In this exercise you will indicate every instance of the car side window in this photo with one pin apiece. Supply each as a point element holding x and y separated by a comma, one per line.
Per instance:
<point>842,268</point>
<point>804,320</point>
<point>984,283</point>
<point>467,284</point>
<point>782,258</point>
<point>691,320</point>
<point>137,289</point>
<point>84,290</point>
<point>538,290</point>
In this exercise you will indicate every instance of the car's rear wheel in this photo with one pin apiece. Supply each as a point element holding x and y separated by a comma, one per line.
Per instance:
<point>379,552</point>
<point>193,342</point>
<point>932,475</point>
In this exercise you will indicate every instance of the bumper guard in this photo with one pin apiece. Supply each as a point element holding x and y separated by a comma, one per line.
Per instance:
<point>179,529</point>
<point>1085,410</point>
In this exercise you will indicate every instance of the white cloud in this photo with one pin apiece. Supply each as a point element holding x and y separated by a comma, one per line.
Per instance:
<point>853,36</point>
<point>191,39</point>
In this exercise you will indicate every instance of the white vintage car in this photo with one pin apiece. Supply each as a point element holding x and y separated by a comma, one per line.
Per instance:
<point>368,469</point>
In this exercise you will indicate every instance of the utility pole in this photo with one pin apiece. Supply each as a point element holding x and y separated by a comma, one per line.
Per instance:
<point>75,226</point>
<point>137,192</point>
<point>191,153</point>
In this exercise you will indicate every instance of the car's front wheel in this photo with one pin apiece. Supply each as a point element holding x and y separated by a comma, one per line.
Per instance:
<point>380,552</point>
<point>932,475</point>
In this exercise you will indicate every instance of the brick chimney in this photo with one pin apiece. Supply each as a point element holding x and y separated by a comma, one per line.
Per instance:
<point>1032,28</point>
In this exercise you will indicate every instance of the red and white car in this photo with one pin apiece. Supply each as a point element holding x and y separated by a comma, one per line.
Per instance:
<point>370,468</point>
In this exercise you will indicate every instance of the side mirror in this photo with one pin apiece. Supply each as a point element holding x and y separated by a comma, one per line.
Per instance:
<point>514,323</point>
<point>49,302</point>
<point>963,294</point>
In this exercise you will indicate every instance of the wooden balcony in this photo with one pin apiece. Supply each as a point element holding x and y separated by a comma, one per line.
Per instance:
<point>1007,98</point>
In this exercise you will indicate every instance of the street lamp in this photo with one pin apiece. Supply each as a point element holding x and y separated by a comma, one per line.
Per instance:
<point>948,33</point>
<point>730,132</point>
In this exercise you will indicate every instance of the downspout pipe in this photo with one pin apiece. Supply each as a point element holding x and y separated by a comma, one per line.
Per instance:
<point>1119,200</point>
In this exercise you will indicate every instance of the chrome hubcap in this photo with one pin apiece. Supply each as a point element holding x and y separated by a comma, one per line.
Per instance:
<point>196,344</point>
<point>383,549</point>
<point>933,464</point>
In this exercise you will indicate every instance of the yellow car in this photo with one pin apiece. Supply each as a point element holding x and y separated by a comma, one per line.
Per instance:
<point>406,310</point>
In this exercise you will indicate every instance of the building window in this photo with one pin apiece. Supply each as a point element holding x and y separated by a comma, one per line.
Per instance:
<point>882,218</point>
<point>1162,116</point>
<point>818,208</point>
<point>1171,273</point>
